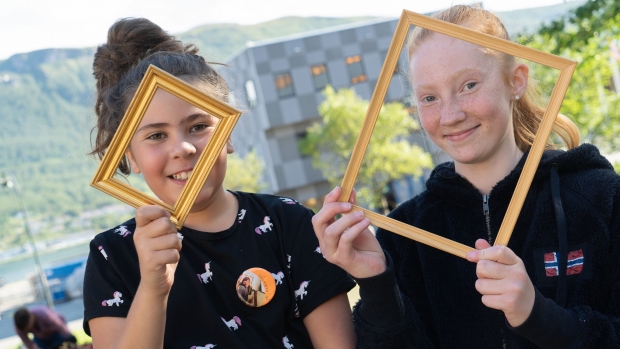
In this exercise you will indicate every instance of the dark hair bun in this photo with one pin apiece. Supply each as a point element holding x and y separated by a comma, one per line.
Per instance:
<point>129,41</point>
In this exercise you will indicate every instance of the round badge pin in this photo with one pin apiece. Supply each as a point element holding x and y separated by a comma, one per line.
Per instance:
<point>256,287</point>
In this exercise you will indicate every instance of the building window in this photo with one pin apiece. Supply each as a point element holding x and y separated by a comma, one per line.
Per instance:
<point>284,84</point>
<point>319,74</point>
<point>356,71</point>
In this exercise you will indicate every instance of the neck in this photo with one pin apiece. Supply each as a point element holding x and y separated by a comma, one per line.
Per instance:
<point>217,215</point>
<point>484,175</point>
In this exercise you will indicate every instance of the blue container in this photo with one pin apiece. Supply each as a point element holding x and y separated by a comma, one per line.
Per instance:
<point>56,276</point>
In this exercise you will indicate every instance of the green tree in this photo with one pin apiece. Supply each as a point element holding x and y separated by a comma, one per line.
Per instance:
<point>245,174</point>
<point>584,35</point>
<point>390,156</point>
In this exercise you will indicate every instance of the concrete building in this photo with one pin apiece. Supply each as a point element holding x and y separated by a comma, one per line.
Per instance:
<point>282,81</point>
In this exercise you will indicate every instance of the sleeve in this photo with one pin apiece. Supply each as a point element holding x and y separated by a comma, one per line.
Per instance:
<point>106,293</point>
<point>314,279</point>
<point>385,317</point>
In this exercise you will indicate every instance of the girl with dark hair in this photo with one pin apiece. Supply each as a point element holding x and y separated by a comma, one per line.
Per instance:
<point>147,287</point>
<point>556,284</point>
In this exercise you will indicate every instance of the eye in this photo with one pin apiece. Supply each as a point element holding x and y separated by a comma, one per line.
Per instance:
<point>156,136</point>
<point>429,99</point>
<point>199,127</point>
<point>470,85</point>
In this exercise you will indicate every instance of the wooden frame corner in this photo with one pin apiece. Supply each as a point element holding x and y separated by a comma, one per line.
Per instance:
<point>156,78</point>
<point>407,19</point>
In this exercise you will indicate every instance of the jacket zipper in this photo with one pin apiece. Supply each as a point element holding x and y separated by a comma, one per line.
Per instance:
<point>487,217</point>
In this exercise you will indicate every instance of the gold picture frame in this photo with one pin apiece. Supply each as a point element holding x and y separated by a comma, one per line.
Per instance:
<point>156,78</point>
<point>407,19</point>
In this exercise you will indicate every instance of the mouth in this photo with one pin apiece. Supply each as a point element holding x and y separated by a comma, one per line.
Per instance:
<point>182,175</point>
<point>459,135</point>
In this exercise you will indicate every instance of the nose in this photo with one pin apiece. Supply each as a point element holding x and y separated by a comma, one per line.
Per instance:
<point>451,113</point>
<point>182,150</point>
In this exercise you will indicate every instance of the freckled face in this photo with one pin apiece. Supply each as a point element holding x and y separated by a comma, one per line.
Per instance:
<point>462,98</point>
<point>166,147</point>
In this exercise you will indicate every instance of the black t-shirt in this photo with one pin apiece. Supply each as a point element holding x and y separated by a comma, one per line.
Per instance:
<point>204,307</point>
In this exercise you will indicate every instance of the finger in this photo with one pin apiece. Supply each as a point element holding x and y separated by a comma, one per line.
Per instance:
<point>500,254</point>
<point>159,227</point>
<point>493,301</point>
<point>353,197</point>
<point>492,270</point>
<point>165,242</point>
<point>326,215</point>
<point>149,213</point>
<point>332,235</point>
<point>345,244</point>
<point>164,257</point>
<point>481,244</point>
<point>332,196</point>
<point>489,287</point>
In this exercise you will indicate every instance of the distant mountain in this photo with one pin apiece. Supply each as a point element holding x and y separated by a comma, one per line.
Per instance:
<point>46,113</point>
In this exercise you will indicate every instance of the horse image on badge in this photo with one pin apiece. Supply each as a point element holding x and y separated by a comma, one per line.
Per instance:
<point>256,287</point>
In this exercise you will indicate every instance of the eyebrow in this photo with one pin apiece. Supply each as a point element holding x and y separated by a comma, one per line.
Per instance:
<point>187,119</point>
<point>456,74</point>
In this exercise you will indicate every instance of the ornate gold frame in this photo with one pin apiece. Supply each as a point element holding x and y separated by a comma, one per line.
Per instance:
<point>155,78</point>
<point>408,18</point>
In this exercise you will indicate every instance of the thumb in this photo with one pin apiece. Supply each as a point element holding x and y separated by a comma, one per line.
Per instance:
<point>481,244</point>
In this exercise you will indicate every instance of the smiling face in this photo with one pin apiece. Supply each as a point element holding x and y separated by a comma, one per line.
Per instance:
<point>463,98</point>
<point>167,145</point>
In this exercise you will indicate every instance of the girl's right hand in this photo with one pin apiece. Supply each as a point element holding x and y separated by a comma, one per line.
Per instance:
<point>158,249</point>
<point>347,242</point>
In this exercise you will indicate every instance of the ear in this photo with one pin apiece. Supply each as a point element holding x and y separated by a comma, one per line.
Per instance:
<point>132,162</point>
<point>520,74</point>
<point>230,148</point>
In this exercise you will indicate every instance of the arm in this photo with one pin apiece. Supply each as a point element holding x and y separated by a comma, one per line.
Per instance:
<point>505,285</point>
<point>329,325</point>
<point>24,337</point>
<point>143,327</point>
<point>158,249</point>
<point>384,318</point>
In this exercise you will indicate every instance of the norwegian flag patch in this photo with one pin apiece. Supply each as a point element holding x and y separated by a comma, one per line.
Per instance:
<point>574,265</point>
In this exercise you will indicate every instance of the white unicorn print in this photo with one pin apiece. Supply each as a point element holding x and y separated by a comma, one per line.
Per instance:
<point>287,345</point>
<point>318,250</point>
<point>288,201</point>
<point>207,275</point>
<point>263,228</point>
<point>122,231</point>
<point>288,258</point>
<point>241,214</point>
<point>105,255</point>
<point>232,323</point>
<point>208,346</point>
<point>180,236</point>
<point>302,290</point>
<point>116,300</point>
<point>279,276</point>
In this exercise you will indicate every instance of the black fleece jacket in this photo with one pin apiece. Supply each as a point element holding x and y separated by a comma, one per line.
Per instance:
<point>427,299</point>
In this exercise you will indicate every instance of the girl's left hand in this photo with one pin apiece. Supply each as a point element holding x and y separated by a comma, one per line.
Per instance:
<point>503,281</point>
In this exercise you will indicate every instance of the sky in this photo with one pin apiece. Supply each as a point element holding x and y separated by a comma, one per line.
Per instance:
<point>29,25</point>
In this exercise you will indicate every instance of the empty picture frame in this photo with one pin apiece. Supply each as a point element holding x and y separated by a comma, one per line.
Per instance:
<point>407,19</point>
<point>154,79</point>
